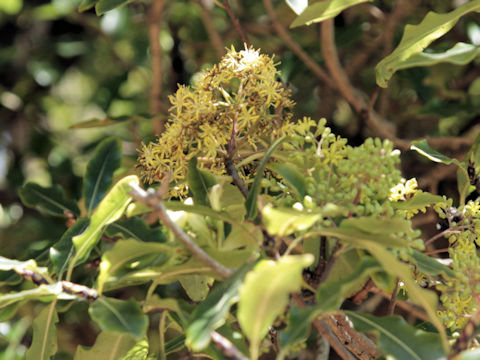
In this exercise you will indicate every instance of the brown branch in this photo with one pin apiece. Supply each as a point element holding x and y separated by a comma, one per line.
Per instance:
<point>212,32</point>
<point>236,23</point>
<point>296,49</point>
<point>393,299</point>
<point>154,200</point>
<point>154,15</point>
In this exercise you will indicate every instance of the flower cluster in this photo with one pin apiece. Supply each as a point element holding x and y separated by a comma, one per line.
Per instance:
<point>232,110</point>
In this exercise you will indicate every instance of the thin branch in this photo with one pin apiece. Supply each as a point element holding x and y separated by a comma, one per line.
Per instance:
<point>154,15</point>
<point>393,299</point>
<point>212,32</point>
<point>154,201</point>
<point>236,23</point>
<point>295,48</point>
<point>411,309</point>
<point>440,235</point>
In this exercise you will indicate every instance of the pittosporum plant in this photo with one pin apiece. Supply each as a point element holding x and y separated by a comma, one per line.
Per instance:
<point>260,237</point>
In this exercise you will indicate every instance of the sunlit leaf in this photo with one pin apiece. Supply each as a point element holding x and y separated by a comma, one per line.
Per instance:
<point>211,313</point>
<point>196,286</point>
<point>86,4</point>
<point>109,210</point>
<point>286,221</point>
<point>264,295</point>
<point>418,37</point>
<point>50,200</point>
<point>108,346</point>
<point>292,177</point>
<point>103,6</point>
<point>138,352</point>
<point>135,228</point>
<point>324,10</point>
<point>44,344</point>
<point>128,255</point>
<point>360,238</point>
<point>398,339</point>
<point>418,201</point>
<point>298,6</point>
<point>374,225</point>
<point>43,292</point>
<point>99,174</point>
<point>199,182</point>
<point>123,316</point>
<point>423,148</point>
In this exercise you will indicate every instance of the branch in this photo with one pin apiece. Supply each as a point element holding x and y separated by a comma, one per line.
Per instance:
<point>154,201</point>
<point>236,23</point>
<point>212,32</point>
<point>154,14</point>
<point>296,49</point>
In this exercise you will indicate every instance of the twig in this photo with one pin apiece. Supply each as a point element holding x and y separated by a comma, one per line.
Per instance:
<point>226,347</point>
<point>393,299</point>
<point>212,32</point>
<point>331,260</point>
<point>439,235</point>
<point>404,305</point>
<point>154,14</point>
<point>296,49</point>
<point>236,23</point>
<point>154,201</point>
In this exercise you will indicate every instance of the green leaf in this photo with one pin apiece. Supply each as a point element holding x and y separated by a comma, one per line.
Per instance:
<point>472,354</point>
<point>44,344</point>
<point>251,202</point>
<point>324,10</point>
<point>423,148</point>
<point>463,184</point>
<point>108,346</point>
<point>211,313</point>
<point>418,37</point>
<point>331,294</point>
<point>459,54</point>
<point>360,238</point>
<point>292,177</point>
<point>429,265</point>
<point>43,293</point>
<point>287,221</point>
<point>196,286</point>
<point>109,210</point>
<point>124,316</point>
<point>135,228</point>
<point>130,255</point>
<point>229,199</point>
<point>398,339</point>
<point>86,4</point>
<point>106,5</point>
<point>63,251</point>
<point>93,123</point>
<point>299,322</point>
<point>100,169</point>
<point>50,200</point>
<point>264,295</point>
<point>374,225</point>
<point>199,182</point>
<point>419,201</point>
<point>138,352</point>
<point>425,298</point>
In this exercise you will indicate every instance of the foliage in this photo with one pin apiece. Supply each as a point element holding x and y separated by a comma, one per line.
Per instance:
<point>264,231</point>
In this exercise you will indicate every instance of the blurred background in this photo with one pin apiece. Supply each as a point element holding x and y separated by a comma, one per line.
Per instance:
<point>62,72</point>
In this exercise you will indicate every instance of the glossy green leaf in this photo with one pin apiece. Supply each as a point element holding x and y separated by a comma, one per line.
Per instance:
<point>93,123</point>
<point>298,6</point>
<point>63,251</point>
<point>374,225</point>
<point>86,4</point>
<point>251,202</point>
<point>129,255</point>
<point>50,200</point>
<point>292,177</point>
<point>44,293</point>
<point>123,316</point>
<point>106,5</point>
<point>426,298</point>
<point>360,238</point>
<point>423,148</point>
<point>199,182</point>
<point>459,54</point>
<point>99,174</point>
<point>135,228</point>
<point>108,346</point>
<point>264,295</point>
<point>429,265</point>
<point>418,37</point>
<point>398,339</point>
<point>109,210</point>
<point>230,200</point>
<point>298,327</point>
<point>44,344</point>
<point>211,313</point>
<point>419,201</point>
<point>287,221</point>
<point>196,286</point>
<point>324,10</point>
<point>331,294</point>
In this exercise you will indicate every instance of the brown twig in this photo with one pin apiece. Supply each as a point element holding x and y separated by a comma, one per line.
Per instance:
<point>236,23</point>
<point>212,32</point>
<point>440,235</point>
<point>154,200</point>
<point>154,15</point>
<point>393,299</point>
<point>296,49</point>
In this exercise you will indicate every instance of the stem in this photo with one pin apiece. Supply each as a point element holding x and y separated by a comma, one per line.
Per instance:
<point>161,334</point>
<point>154,201</point>
<point>213,34</point>
<point>236,23</point>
